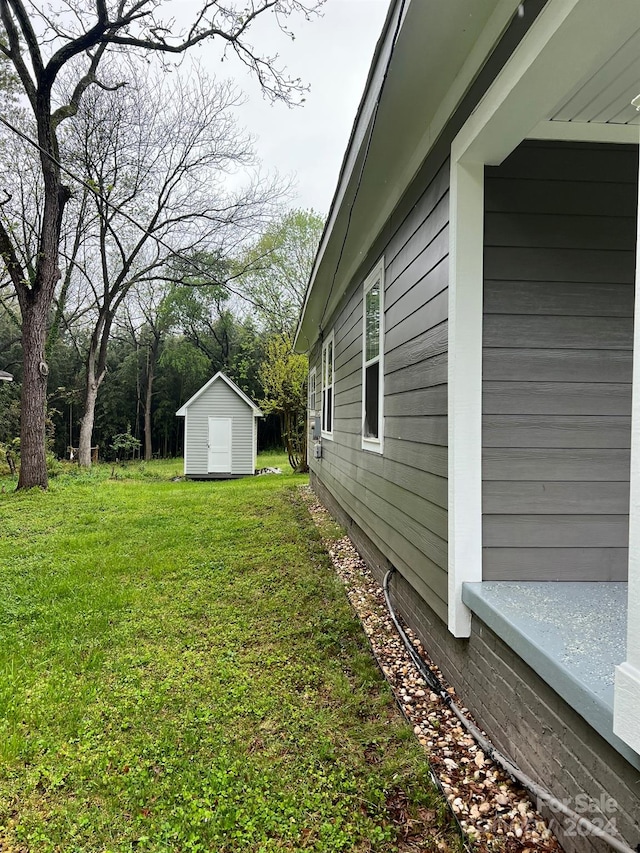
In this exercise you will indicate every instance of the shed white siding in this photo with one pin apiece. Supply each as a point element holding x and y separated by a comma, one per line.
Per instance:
<point>219,400</point>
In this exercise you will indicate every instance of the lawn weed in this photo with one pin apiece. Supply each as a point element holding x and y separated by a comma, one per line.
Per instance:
<point>180,671</point>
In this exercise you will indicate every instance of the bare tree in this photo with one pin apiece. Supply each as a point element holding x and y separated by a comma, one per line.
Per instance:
<point>160,152</point>
<point>40,40</point>
<point>148,317</point>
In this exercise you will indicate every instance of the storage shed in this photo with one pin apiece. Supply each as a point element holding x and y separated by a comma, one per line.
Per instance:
<point>220,431</point>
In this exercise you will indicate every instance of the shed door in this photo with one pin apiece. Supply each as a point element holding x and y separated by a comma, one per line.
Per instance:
<point>219,446</point>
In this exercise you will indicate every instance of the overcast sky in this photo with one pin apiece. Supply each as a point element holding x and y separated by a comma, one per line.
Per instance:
<point>332,55</point>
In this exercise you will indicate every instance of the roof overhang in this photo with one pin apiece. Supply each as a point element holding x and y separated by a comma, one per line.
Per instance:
<point>572,78</point>
<point>438,51</point>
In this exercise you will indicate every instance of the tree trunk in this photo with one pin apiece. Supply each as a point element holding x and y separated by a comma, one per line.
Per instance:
<point>87,420</point>
<point>33,459</point>
<point>148,449</point>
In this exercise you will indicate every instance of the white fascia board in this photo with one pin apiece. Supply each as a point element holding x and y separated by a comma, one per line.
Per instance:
<point>626,696</point>
<point>359,134</point>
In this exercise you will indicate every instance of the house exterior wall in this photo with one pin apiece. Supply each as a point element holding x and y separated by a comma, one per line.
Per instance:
<point>394,505</point>
<point>220,401</point>
<point>559,268</point>
<point>522,715</point>
<point>399,498</point>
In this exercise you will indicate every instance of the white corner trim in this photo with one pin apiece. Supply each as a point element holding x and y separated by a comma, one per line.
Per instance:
<point>626,696</point>
<point>254,434</point>
<point>186,422</point>
<point>626,705</point>
<point>465,387</point>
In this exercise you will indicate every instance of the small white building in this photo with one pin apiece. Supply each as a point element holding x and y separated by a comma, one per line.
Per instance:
<point>220,431</point>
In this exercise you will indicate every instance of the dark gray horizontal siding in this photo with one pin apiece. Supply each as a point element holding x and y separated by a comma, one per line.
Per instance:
<point>415,546</point>
<point>589,265</point>
<point>426,345</point>
<point>565,431</point>
<point>556,531</point>
<point>432,458</point>
<point>422,211</point>
<point>571,162</point>
<point>432,283</point>
<point>550,464</point>
<point>557,365</point>
<point>544,331</point>
<point>426,263</point>
<point>415,403</point>
<point>508,497</point>
<point>576,198</point>
<point>399,498</point>
<point>422,374</point>
<point>555,298</point>
<point>558,564</point>
<point>417,320</point>
<point>423,430</point>
<point>556,398</point>
<point>547,230</point>
<point>559,266</point>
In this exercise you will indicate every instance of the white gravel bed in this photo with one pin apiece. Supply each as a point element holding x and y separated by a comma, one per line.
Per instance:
<point>494,812</point>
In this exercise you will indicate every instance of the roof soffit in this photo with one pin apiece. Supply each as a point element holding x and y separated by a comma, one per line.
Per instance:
<point>428,76</point>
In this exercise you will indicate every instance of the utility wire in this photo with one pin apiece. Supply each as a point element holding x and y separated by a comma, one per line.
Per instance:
<point>26,138</point>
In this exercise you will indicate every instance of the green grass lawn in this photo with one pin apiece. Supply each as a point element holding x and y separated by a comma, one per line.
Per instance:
<point>180,671</point>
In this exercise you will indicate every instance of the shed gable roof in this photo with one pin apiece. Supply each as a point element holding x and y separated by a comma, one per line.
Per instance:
<point>182,411</point>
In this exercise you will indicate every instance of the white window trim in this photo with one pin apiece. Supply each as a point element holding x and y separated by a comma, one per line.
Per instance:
<point>330,339</point>
<point>375,445</point>
<point>311,401</point>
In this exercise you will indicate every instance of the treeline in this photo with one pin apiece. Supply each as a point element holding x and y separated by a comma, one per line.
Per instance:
<point>168,337</point>
<point>177,258</point>
<point>123,167</point>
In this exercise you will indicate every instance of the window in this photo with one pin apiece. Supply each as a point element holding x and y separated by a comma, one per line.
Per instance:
<point>327,386</point>
<point>312,392</point>
<point>372,360</point>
